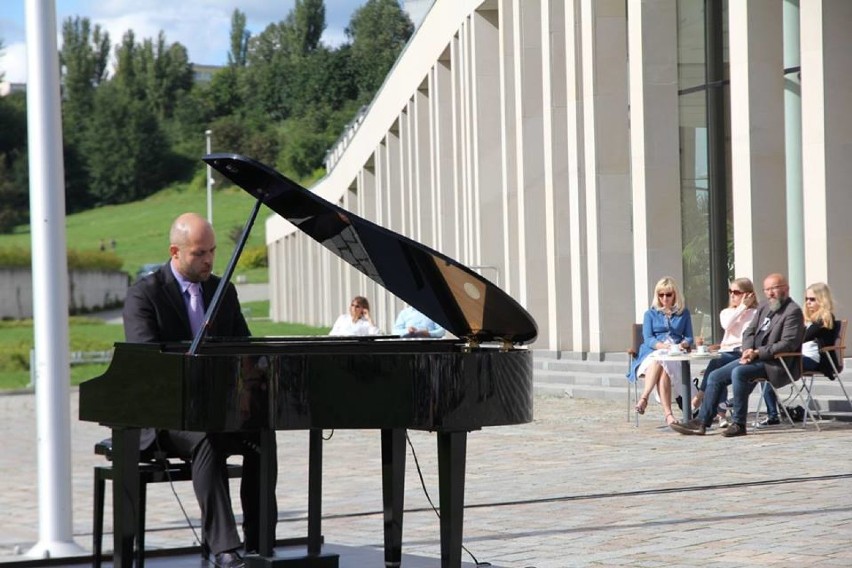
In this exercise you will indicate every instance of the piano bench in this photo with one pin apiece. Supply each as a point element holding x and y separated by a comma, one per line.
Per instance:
<point>155,468</point>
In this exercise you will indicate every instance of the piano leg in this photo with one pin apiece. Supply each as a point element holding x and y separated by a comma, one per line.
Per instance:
<point>452,449</point>
<point>268,473</point>
<point>393,493</point>
<point>315,492</point>
<point>314,558</point>
<point>125,494</point>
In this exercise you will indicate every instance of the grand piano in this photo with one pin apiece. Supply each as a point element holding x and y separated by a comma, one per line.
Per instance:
<point>483,377</point>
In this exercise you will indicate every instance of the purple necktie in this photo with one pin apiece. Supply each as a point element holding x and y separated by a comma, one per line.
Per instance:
<point>196,307</point>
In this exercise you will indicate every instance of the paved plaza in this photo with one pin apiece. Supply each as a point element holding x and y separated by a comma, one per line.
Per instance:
<point>577,487</point>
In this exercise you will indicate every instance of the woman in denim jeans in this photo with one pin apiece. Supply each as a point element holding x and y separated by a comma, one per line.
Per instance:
<point>734,319</point>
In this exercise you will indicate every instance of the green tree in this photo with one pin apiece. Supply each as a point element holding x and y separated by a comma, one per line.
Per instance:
<point>305,25</point>
<point>83,57</point>
<point>281,60</point>
<point>239,40</point>
<point>14,185</point>
<point>128,154</point>
<point>14,198</point>
<point>378,31</point>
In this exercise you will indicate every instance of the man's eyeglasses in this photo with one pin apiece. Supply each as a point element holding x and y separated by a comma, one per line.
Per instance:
<point>810,299</point>
<point>665,294</point>
<point>736,292</point>
<point>771,288</point>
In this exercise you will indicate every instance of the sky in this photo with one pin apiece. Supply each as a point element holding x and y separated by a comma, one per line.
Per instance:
<point>202,26</point>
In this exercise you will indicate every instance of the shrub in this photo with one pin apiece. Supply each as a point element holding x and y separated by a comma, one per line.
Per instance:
<point>15,257</point>
<point>253,257</point>
<point>85,260</point>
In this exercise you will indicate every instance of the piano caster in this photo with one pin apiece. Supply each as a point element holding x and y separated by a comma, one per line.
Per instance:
<point>325,560</point>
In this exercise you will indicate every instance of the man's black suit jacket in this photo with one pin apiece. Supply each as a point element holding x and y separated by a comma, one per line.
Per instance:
<point>780,331</point>
<point>155,311</point>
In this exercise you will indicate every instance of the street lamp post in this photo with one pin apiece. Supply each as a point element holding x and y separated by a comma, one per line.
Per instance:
<point>207,135</point>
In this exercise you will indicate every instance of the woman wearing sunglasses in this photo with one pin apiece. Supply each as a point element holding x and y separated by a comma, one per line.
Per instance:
<point>667,323</point>
<point>357,321</point>
<point>742,305</point>
<point>820,330</point>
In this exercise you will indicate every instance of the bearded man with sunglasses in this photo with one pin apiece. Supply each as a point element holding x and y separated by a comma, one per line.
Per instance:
<point>778,327</point>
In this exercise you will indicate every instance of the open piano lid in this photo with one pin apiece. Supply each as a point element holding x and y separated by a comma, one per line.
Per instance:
<point>452,295</point>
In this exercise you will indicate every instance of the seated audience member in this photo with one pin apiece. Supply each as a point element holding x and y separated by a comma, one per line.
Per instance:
<point>357,321</point>
<point>666,323</point>
<point>778,327</point>
<point>820,330</point>
<point>412,323</point>
<point>734,319</point>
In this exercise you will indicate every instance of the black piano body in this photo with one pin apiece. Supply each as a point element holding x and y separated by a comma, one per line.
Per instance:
<point>448,386</point>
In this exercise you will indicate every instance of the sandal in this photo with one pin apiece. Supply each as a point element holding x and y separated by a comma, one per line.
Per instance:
<point>641,405</point>
<point>673,419</point>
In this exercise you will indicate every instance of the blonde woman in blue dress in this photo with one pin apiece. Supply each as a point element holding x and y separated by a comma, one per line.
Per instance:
<point>666,323</point>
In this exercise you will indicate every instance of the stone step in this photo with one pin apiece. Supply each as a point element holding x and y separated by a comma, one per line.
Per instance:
<point>605,380</point>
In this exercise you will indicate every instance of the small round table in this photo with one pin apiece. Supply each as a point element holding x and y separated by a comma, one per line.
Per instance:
<point>686,375</point>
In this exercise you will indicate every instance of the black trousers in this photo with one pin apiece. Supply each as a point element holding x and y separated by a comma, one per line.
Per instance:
<point>209,453</point>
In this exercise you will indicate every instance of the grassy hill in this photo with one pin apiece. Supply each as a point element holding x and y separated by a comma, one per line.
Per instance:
<point>140,229</point>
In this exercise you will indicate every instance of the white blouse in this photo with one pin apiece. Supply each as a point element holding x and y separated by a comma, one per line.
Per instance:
<point>345,326</point>
<point>734,321</point>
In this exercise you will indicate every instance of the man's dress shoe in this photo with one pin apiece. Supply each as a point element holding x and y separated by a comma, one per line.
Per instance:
<point>230,559</point>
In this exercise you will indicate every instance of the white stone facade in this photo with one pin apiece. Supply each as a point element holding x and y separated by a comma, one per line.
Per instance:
<point>538,141</point>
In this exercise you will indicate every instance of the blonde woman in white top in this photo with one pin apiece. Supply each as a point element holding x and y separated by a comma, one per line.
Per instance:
<point>357,321</point>
<point>734,319</point>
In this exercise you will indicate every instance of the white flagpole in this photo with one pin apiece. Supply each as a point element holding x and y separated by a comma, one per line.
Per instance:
<point>50,284</point>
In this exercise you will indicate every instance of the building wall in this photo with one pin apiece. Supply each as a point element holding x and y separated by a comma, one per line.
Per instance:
<point>537,142</point>
<point>88,290</point>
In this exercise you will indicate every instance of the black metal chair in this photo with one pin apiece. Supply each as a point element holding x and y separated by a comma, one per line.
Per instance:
<point>797,390</point>
<point>835,354</point>
<point>154,467</point>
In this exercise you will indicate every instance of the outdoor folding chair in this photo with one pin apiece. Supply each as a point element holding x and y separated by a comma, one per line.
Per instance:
<point>632,353</point>
<point>835,355</point>
<point>787,361</point>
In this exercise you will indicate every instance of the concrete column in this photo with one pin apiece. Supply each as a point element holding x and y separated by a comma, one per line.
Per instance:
<point>486,145</point>
<point>826,45</point>
<point>607,189</point>
<point>757,138</point>
<point>530,82</point>
<point>456,202</point>
<point>421,164</point>
<point>509,158</point>
<point>576,182</point>
<point>442,151</point>
<point>557,176</point>
<point>654,146</point>
<point>466,100</point>
<point>793,151</point>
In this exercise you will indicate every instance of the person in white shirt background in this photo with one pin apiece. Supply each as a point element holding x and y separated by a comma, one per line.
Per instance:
<point>358,321</point>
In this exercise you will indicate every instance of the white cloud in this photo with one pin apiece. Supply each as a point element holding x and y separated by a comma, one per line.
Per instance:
<point>13,63</point>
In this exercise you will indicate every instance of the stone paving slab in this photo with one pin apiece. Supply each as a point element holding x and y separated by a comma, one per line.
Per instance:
<point>577,487</point>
